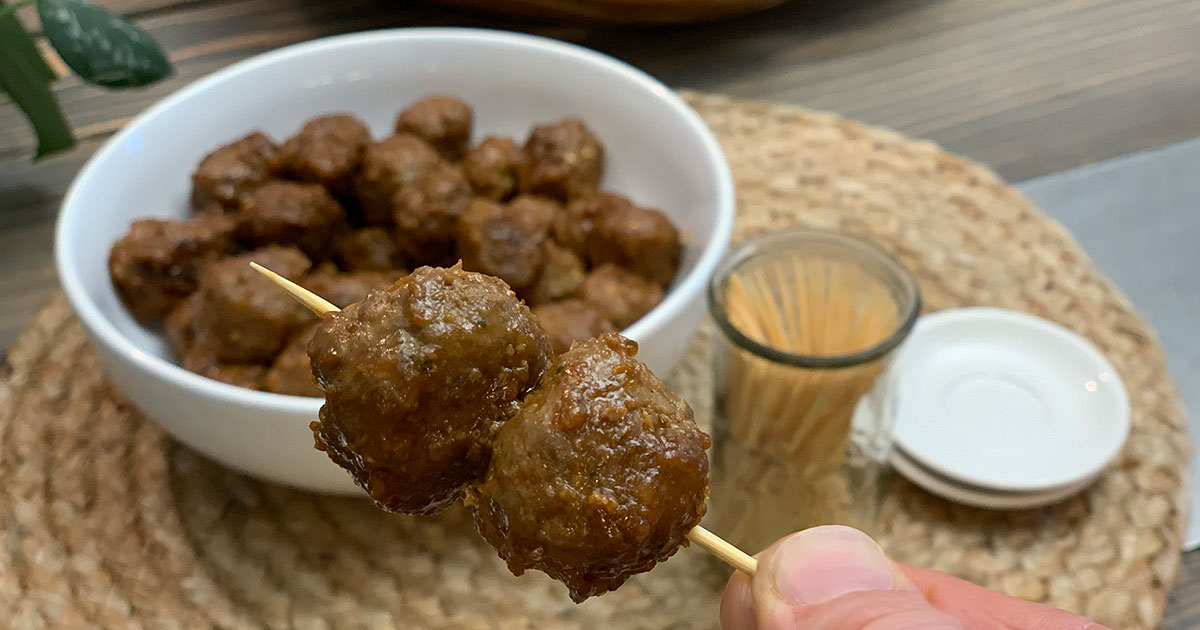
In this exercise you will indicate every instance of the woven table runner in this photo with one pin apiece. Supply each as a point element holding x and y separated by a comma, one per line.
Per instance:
<point>105,521</point>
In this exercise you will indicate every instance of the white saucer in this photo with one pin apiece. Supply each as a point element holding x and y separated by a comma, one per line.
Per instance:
<point>981,497</point>
<point>1006,401</point>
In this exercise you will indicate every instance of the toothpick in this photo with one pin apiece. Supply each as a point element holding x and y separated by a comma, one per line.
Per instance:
<point>703,538</point>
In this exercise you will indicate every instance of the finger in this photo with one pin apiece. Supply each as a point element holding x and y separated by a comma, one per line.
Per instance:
<point>737,604</point>
<point>981,609</point>
<point>837,578</point>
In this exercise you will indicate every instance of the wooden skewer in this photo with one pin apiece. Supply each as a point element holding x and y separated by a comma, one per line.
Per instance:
<point>707,540</point>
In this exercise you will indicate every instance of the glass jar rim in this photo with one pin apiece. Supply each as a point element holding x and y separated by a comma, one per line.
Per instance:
<point>909,305</point>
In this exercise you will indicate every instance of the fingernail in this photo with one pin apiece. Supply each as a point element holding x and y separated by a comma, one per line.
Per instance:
<point>822,563</point>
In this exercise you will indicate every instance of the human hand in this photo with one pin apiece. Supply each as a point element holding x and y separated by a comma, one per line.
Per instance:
<point>837,578</point>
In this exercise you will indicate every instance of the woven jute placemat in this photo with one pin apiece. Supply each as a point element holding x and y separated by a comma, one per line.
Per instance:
<point>107,522</point>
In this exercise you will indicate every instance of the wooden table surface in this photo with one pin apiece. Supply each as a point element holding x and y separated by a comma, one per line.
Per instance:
<point>1028,87</point>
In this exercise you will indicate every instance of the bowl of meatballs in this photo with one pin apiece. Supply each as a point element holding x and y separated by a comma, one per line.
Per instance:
<point>593,192</point>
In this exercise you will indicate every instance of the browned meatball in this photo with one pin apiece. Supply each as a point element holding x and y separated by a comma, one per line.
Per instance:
<point>291,372</point>
<point>229,173</point>
<point>562,273</point>
<point>387,166</point>
<point>441,120</point>
<point>562,160</point>
<point>491,167</point>
<point>608,228</point>
<point>506,240</point>
<point>427,212</point>
<point>344,289</point>
<point>572,320</point>
<point>180,326</point>
<point>599,476</point>
<point>418,377</point>
<point>622,295</point>
<point>368,249</point>
<point>292,213</point>
<point>326,150</point>
<point>249,375</point>
<point>157,263</point>
<point>242,317</point>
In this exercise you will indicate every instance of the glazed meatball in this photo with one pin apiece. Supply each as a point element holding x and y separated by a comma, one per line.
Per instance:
<point>225,176</point>
<point>292,213</point>
<point>157,263</point>
<point>572,320</point>
<point>327,150</point>
<point>180,326</point>
<point>600,475</point>
<point>491,167</point>
<point>368,249</point>
<point>506,240</point>
<point>249,375</point>
<point>387,166</point>
<point>242,317</point>
<point>344,289</point>
<point>441,120</point>
<point>561,160</point>
<point>607,228</point>
<point>562,274</point>
<point>427,212</point>
<point>622,295</point>
<point>418,377</point>
<point>291,373</point>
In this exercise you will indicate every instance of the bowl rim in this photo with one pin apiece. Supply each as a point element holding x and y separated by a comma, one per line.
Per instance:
<point>106,333</point>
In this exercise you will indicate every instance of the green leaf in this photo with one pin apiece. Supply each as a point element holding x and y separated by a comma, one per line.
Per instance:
<point>26,78</point>
<point>100,47</point>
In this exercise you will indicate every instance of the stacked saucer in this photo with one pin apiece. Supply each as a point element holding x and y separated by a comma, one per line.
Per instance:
<point>1002,410</point>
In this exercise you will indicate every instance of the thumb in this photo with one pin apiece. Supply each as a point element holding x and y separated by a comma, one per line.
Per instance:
<point>828,578</point>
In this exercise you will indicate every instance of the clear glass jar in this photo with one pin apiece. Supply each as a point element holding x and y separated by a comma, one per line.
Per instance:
<point>806,322</point>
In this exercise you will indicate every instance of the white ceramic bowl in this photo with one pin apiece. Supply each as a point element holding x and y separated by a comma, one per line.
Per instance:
<point>659,154</point>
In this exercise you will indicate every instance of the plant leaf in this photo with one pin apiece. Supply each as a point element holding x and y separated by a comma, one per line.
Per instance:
<point>100,47</point>
<point>26,78</point>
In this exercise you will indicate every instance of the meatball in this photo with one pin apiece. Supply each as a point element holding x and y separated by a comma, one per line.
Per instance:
<point>418,377</point>
<point>291,372</point>
<point>368,249</point>
<point>249,375</point>
<point>180,326</point>
<point>441,120</point>
<point>622,295</point>
<point>600,475</point>
<point>344,289</point>
<point>506,240</point>
<point>242,317</point>
<point>491,167</point>
<point>157,263</point>
<point>293,213</point>
<point>573,320</point>
<point>607,228</point>
<point>326,150</point>
<point>225,176</point>
<point>562,273</point>
<point>426,214</point>
<point>562,160</point>
<point>387,166</point>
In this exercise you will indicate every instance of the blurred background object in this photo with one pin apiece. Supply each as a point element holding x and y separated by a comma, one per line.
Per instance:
<point>622,11</point>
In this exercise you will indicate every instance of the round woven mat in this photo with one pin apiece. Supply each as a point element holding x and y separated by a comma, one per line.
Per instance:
<point>107,522</point>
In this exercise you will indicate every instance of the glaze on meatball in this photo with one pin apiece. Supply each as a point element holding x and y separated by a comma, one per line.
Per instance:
<point>562,160</point>
<point>562,274</point>
<point>225,176</point>
<point>418,377</point>
<point>157,263</point>
<point>506,240</point>
<point>572,320</point>
<point>607,228</point>
<point>387,166</point>
<point>622,295</point>
<point>327,150</point>
<point>242,317</point>
<point>368,249</point>
<point>599,476</point>
<point>492,166</point>
<point>443,121</point>
<point>290,213</point>
<point>291,372</point>
<point>427,212</point>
